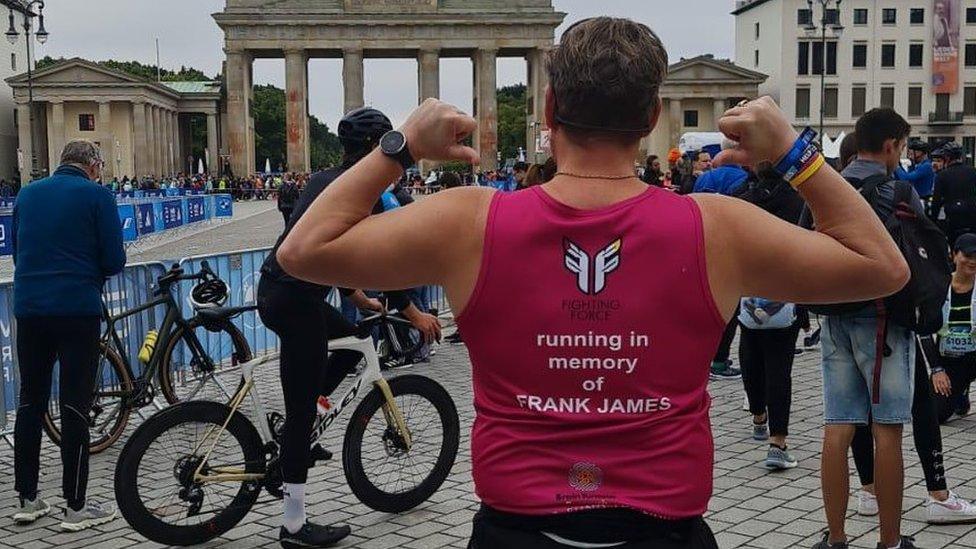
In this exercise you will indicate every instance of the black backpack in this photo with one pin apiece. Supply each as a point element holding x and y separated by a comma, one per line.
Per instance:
<point>288,195</point>
<point>917,306</point>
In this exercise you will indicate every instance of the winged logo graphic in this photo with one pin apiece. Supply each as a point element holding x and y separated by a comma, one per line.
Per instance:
<point>591,272</point>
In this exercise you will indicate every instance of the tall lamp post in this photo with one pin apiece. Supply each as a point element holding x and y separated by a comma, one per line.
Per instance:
<point>12,37</point>
<point>838,30</point>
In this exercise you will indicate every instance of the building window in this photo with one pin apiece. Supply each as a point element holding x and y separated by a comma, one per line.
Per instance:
<point>803,103</point>
<point>757,31</point>
<point>803,58</point>
<point>13,61</point>
<point>971,54</point>
<point>859,100</point>
<point>888,97</point>
<point>860,56</point>
<point>969,147</point>
<point>832,17</point>
<point>86,122</point>
<point>915,101</point>
<point>691,119</point>
<point>970,16</point>
<point>830,102</point>
<point>889,16</point>
<point>915,54</point>
<point>804,16</point>
<point>888,55</point>
<point>916,16</point>
<point>942,104</point>
<point>756,55</point>
<point>969,101</point>
<point>831,57</point>
<point>860,16</point>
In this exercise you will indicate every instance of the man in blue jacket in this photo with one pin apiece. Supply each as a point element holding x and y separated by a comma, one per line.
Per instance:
<point>921,175</point>
<point>67,240</point>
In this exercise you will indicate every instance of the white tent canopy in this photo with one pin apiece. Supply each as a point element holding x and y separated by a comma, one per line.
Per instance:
<point>831,147</point>
<point>696,141</point>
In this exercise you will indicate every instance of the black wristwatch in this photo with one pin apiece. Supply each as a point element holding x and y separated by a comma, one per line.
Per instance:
<point>394,144</point>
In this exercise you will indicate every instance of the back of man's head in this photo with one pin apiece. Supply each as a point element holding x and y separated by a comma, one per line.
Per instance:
<point>879,126</point>
<point>605,76</point>
<point>81,152</point>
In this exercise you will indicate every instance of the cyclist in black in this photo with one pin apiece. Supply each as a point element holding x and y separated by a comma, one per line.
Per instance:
<point>955,192</point>
<point>298,312</point>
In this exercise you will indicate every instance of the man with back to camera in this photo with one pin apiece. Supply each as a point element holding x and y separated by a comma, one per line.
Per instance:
<point>67,241</point>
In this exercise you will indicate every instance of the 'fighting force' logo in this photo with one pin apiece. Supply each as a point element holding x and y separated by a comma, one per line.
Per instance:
<point>585,477</point>
<point>591,279</point>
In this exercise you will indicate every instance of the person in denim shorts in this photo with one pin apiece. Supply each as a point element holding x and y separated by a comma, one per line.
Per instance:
<point>849,345</point>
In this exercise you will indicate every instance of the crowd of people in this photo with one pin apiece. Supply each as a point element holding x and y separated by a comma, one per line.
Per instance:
<point>592,406</point>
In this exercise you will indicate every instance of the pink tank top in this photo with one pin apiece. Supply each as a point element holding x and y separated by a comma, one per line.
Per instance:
<point>590,334</point>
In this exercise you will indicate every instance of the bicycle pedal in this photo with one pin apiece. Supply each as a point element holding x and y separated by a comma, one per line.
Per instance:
<point>318,453</point>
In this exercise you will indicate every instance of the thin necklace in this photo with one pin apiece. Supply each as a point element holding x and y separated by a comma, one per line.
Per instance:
<point>591,176</point>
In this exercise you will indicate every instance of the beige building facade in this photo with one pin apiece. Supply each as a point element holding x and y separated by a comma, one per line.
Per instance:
<point>354,30</point>
<point>694,96</point>
<point>140,126</point>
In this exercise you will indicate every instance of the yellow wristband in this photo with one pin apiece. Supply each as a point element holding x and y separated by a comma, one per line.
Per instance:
<point>808,172</point>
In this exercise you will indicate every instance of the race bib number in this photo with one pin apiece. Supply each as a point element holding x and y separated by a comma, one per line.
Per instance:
<point>958,343</point>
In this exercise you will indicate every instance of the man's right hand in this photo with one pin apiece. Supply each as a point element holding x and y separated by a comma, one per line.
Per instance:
<point>941,384</point>
<point>761,129</point>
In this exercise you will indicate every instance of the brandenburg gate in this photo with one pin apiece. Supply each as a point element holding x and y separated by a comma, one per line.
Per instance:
<point>354,30</point>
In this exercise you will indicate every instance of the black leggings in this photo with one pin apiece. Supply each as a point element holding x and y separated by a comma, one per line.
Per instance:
<point>962,372</point>
<point>725,346</point>
<point>73,342</point>
<point>491,531</point>
<point>925,430</point>
<point>304,322</point>
<point>766,359</point>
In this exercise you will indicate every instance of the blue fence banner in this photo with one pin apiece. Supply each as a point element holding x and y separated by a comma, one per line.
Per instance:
<point>172,214</point>
<point>195,209</point>
<point>224,205</point>
<point>127,216</point>
<point>145,218</point>
<point>7,234</point>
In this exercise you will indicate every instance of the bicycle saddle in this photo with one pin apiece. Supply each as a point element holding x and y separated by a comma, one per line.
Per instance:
<point>223,313</point>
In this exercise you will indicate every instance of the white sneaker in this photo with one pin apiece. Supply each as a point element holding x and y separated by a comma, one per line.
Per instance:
<point>867,504</point>
<point>745,403</point>
<point>953,510</point>
<point>92,514</point>
<point>29,511</point>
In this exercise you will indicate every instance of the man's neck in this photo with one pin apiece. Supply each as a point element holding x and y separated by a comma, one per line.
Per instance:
<point>597,158</point>
<point>873,157</point>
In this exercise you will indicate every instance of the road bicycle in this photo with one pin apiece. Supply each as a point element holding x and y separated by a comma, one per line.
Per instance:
<point>193,471</point>
<point>180,364</point>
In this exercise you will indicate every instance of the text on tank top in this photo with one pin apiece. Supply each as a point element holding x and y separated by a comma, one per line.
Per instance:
<point>590,334</point>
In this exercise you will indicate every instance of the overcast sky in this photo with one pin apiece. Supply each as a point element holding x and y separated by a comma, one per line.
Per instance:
<point>126,30</point>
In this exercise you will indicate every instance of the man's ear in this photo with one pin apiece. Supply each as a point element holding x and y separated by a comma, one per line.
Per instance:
<point>655,114</point>
<point>550,108</point>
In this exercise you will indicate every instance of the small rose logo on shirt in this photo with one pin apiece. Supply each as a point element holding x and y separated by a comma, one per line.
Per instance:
<point>585,477</point>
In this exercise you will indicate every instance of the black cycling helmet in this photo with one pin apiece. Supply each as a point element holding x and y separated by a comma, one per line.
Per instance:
<point>363,127</point>
<point>209,293</point>
<point>916,144</point>
<point>950,151</point>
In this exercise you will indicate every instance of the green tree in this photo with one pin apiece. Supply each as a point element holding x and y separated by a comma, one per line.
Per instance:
<point>511,120</point>
<point>135,68</point>
<point>270,122</point>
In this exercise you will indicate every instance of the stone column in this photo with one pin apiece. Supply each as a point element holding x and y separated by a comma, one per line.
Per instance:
<point>428,86</point>
<point>675,121</point>
<point>164,142</point>
<point>538,80</point>
<point>296,111</point>
<point>57,133</point>
<point>352,79</point>
<point>486,107</point>
<point>107,138</point>
<point>140,153</point>
<point>175,133</point>
<point>212,147</point>
<point>719,107</point>
<point>239,112</point>
<point>150,142</point>
<point>26,146</point>
<point>158,141</point>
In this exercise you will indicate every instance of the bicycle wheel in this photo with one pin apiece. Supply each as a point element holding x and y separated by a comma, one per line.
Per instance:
<point>181,378</point>
<point>382,473</point>
<point>154,483</point>
<point>108,415</point>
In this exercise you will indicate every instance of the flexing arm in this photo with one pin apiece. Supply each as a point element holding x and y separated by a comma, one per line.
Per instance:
<point>750,252</point>
<point>337,241</point>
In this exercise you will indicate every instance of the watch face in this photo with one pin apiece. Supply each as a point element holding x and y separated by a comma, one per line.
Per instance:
<point>392,142</point>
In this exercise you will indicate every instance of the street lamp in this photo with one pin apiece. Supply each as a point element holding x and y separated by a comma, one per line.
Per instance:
<point>42,36</point>
<point>838,30</point>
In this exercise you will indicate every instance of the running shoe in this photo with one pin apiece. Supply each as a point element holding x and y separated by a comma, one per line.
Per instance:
<point>31,510</point>
<point>724,370</point>
<point>312,535</point>
<point>760,431</point>
<point>824,544</point>
<point>907,542</point>
<point>867,504</point>
<point>778,459</point>
<point>953,510</point>
<point>92,514</point>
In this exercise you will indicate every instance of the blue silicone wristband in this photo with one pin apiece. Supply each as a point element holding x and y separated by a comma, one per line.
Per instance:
<point>799,148</point>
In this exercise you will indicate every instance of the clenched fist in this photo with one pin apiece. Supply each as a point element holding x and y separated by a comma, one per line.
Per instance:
<point>763,133</point>
<point>434,132</point>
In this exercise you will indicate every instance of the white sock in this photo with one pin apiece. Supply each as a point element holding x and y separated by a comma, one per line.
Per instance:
<point>896,546</point>
<point>293,507</point>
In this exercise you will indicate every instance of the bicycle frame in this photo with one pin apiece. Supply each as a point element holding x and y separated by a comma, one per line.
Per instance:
<point>371,375</point>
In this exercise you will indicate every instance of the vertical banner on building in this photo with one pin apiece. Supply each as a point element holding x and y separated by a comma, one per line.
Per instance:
<point>945,46</point>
